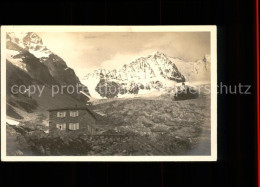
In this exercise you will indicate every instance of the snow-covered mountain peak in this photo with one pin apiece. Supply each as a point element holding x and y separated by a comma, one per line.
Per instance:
<point>146,74</point>
<point>29,41</point>
<point>143,73</point>
<point>154,57</point>
<point>15,37</point>
<point>157,53</point>
<point>26,52</point>
<point>24,39</point>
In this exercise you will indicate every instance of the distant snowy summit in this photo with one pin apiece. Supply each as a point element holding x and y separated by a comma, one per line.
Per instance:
<point>194,71</point>
<point>144,75</point>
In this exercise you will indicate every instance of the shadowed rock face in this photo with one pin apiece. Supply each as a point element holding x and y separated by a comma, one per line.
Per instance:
<point>35,69</point>
<point>29,62</point>
<point>30,49</point>
<point>59,70</point>
<point>107,89</point>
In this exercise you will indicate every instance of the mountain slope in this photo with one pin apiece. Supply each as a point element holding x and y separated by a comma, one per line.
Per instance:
<point>29,63</point>
<point>145,75</point>
<point>31,45</point>
<point>194,71</point>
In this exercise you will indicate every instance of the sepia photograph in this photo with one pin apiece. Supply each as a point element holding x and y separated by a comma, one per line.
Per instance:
<point>109,93</point>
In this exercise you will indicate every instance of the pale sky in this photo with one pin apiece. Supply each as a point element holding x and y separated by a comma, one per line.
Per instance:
<point>87,51</point>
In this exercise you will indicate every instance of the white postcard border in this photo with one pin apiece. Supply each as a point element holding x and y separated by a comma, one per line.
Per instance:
<point>211,28</point>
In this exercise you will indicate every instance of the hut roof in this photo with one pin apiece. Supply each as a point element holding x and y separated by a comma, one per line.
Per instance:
<point>95,115</point>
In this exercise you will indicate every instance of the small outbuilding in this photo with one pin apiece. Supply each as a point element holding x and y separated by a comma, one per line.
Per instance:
<point>185,92</point>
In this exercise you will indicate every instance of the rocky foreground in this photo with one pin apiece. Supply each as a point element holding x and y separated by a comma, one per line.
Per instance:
<point>134,127</point>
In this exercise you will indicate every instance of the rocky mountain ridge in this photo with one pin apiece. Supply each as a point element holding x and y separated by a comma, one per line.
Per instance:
<point>30,62</point>
<point>146,74</point>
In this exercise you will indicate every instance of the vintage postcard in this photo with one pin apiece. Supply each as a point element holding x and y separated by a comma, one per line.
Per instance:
<point>108,93</point>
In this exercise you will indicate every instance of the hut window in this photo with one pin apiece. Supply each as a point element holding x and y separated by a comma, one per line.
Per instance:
<point>61,114</point>
<point>74,113</point>
<point>74,126</point>
<point>61,126</point>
